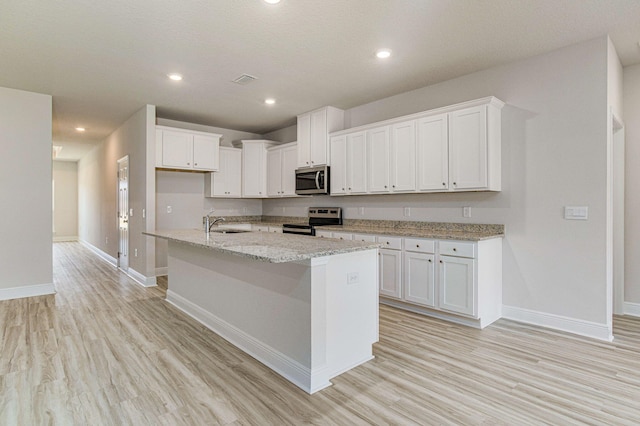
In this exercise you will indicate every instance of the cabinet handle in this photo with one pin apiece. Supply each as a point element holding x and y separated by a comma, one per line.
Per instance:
<point>307,162</point>
<point>385,187</point>
<point>195,164</point>
<point>455,249</point>
<point>418,245</point>
<point>343,189</point>
<point>393,186</point>
<point>387,242</point>
<point>441,261</point>
<point>188,164</point>
<point>454,184</point>
<point>349,189</point>
<point>444,184</point>
<point>429,260</point>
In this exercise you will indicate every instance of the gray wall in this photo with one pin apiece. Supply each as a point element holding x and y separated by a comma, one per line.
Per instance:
<point>632,182</point>
<point>554,138</point>
<point>25,191</point>
<point>65,200</point>
<point>97,204</point>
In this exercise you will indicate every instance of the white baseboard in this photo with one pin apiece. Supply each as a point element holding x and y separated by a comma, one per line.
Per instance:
<point>292,370</point>
<point>632,309</point>
<point>27,291</point>
<point>162,271</point>
<point>64,239</point>
<point>557,322</point>
<point>104,256</point>
<point>143,280</point>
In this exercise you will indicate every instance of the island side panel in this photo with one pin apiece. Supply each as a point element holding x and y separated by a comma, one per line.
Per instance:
<point>351,310</point>
<point>268,303</point>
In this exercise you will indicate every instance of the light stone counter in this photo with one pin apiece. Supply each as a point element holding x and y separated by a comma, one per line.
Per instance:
<point>436,234</point>
<point>268,247</point>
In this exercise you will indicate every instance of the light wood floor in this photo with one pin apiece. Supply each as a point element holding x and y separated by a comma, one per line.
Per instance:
<point>104,350</point>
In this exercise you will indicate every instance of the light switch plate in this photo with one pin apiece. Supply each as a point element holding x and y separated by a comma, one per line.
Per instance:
<point>576,212</point>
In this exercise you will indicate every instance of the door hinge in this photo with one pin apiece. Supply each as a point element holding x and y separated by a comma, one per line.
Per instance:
<point>119,255</point>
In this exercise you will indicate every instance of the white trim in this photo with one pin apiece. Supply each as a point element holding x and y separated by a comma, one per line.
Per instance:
<point>289,368</point>
<point>557,322</point>
<point>27,291</point>
<point>164,270</point>
<point>469,322</point>
<point>64,239</point>
<point>632,309</point>
<point>143,280</point>
<point>104,256</point>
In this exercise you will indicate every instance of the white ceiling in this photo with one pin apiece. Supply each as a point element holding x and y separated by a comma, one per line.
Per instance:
<point>103,60</point>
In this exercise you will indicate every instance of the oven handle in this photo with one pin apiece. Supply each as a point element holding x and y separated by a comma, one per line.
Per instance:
<point>318,179</point>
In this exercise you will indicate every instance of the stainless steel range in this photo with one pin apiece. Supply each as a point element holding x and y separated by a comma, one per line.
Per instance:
<point>318,216</point>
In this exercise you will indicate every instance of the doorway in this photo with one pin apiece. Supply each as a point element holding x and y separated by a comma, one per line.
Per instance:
<point>123,213</point>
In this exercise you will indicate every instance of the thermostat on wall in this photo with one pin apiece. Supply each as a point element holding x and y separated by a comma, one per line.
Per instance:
<point>576,212</point>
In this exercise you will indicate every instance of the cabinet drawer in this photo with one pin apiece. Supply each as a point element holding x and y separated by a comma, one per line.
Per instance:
<point>342,236</point>
<point>393,243</point>
<point>419,245</point>
<point>457,248</point>
<point>323,234</point>
<point>364,237</point>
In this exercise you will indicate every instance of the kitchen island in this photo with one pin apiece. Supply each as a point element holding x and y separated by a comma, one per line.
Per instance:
<point>305,307</point>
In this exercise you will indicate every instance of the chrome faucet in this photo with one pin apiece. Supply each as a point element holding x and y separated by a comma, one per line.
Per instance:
<point>208,223</point>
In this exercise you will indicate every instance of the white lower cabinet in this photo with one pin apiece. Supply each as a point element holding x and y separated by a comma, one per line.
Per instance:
<point>390,275</point>
<point>439,277</point>
<point>419,278</point>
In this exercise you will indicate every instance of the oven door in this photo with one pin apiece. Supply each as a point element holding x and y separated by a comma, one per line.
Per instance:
<point>312,181</point>
<point>298,229</point>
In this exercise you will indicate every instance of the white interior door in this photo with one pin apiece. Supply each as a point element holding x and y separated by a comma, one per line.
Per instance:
<point>123,213</point>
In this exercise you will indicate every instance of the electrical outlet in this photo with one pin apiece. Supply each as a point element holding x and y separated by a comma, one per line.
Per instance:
<point>169,209</point>
<point>144,213</point>
<point>361,211</point>
<point>130,212</point>
<point>353,278</point>
<point>466,212</point>
<point>407,211</point>
<point>135,252</point>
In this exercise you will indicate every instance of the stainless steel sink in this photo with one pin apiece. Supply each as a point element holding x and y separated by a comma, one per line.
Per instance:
<point>229,231</point>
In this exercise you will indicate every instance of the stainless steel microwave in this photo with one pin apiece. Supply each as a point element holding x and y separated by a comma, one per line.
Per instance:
<point>314,180</point>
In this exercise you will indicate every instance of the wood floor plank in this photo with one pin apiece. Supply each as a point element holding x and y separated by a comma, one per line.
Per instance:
<point>106,351</point>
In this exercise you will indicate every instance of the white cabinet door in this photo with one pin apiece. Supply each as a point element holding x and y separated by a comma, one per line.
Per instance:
<point>433,153</point>
<point>274,172</point>
<point>289,163</point>
<point>227,181</point>
<point>205,152</point>
<point>456,287</point>
<point>342,236</point>
<point>390,274</point>
<point>318,148</point>
<point>304,140</point>
<point>254,163</point>
<point>177,149</point>
<point>357,163</point>
<point>468,155</point>
<point>419,276</point>
<point>324,234</point>
<point>403,157</point>
<point>338,169</point>
<point>233,172</point>
<point>378,160</point>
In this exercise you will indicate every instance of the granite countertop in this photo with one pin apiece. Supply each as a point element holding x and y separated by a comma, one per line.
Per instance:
<point>267,247</point>
<point>436,234</point>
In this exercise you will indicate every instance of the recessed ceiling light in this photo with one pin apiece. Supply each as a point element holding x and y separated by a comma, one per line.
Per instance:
<point>272,1</point>
<point>80,129</point>
<point>383,53</point>
<point>175,77</point>
<point>269,101</point>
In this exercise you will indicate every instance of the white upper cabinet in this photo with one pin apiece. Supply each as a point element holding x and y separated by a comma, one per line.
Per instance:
<point>281,168</point>
<point>378,164</point>
<point>454,148</point>
<point>357,163</point>
<point>402,157</point>
<point>433,153</point>
<point>254,168</point>
<point>227,182</point>
<point>338,174</point>
<point>313,135</point>
<point>186,149</point>
<point>468,149</point>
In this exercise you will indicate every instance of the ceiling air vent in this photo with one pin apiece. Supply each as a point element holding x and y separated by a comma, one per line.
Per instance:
<point>244,79</point>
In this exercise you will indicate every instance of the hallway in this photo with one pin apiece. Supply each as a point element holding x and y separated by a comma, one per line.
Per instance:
<point>105,350</point>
